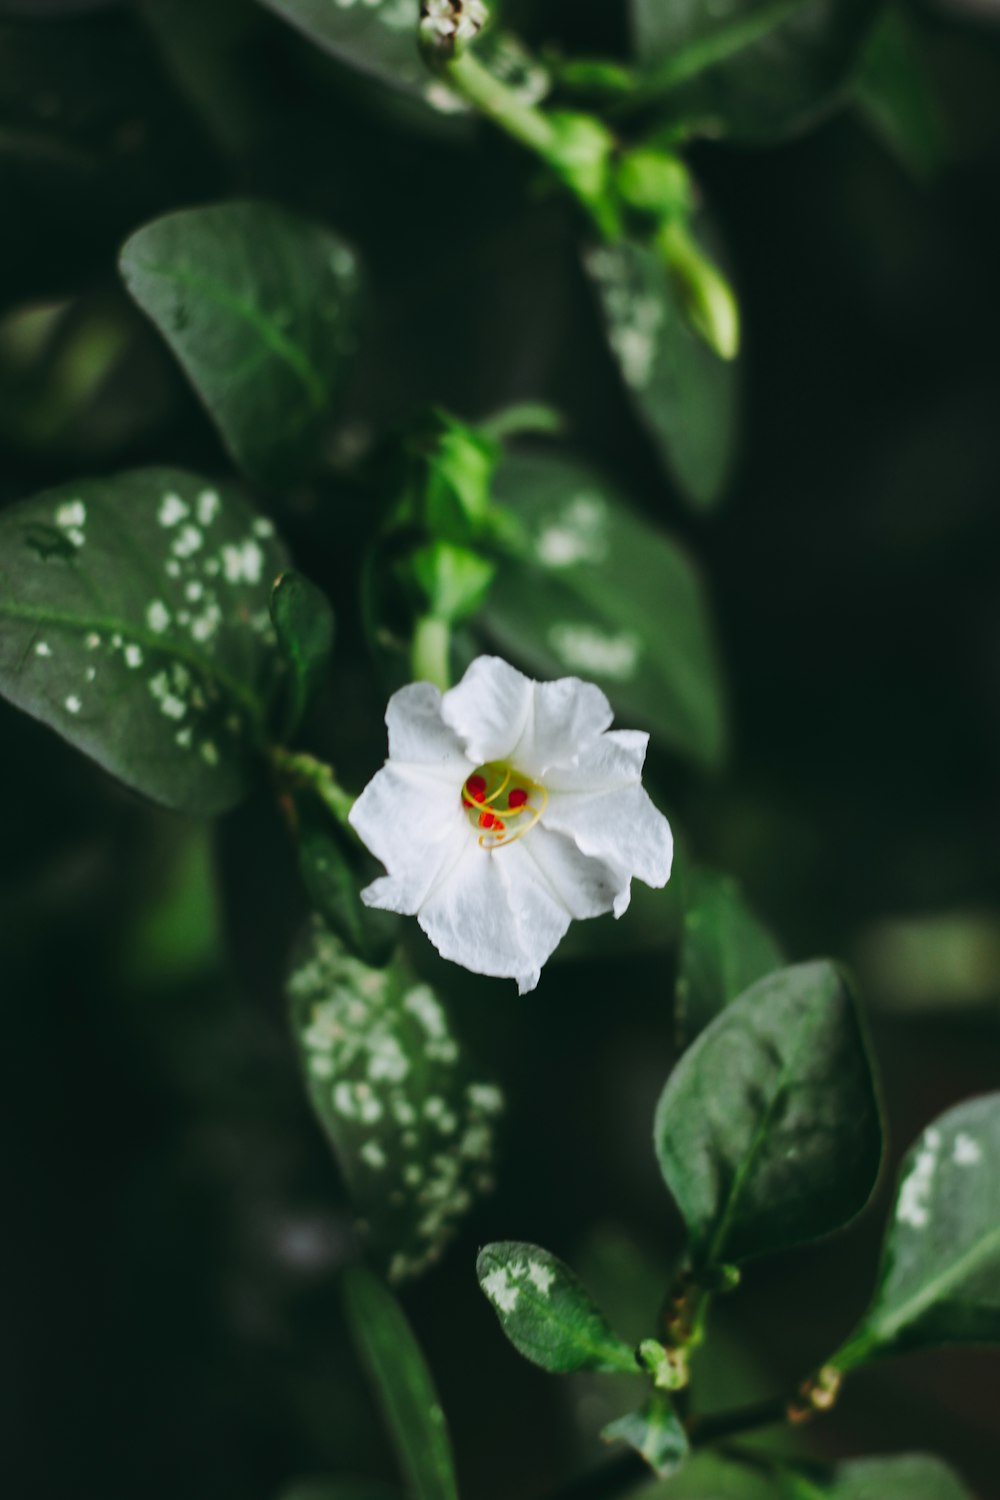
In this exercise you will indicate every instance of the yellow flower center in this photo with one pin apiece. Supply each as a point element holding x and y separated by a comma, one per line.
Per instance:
<point>502,804</point>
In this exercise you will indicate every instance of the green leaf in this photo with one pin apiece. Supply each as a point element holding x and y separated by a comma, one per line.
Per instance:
<point>753,70</point>
<point>910,1476</point>
<point>898,96</point>
<point>414,1136</point>
<point>603,595</point>
<point>686,397</point>
<point>545,1312</point>
<point>334,871</point>
<point>260,306</point>
<point>134,622</point>
<point>378,37</point>
<point>940,1276</point>
<point>906,1476</point>
<point>724,949</point>
<point>403,1385</point>
<point>451,582</point>
<point>654,1431</point>
<point>768,1131</point>
<point>304,625</point>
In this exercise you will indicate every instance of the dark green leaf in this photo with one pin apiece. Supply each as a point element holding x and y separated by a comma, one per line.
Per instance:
<point>724,949</point>
<point>768,1131</point>
<point>685,395</point>
<point>606,597</point>
<point>379,37</point>
<point>545,1312</point>
<point>753,70</point>
<point>898,96</point>
<point>940,1276</point>
<point>403,1385</point>
<point>260,307</point>
<point>303,622</point>
<point>134,621</point>
<point>413,1135</point>
<point>906,1476</point>
<point>334,871</point>
<point>655,1432</point>
<point>910,1476</point>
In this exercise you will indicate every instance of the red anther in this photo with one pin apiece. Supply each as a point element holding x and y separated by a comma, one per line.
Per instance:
<point>476,788</point>
<point>499,825</point>
<point>517,798</point>
<point>486,820</point>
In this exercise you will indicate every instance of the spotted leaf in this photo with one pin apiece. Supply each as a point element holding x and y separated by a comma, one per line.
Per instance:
<point>602,595</point>
<point>685,395</point>
<point>134,621</point>
<point>655,1432</point>
<point>768,1131</point>
<point>724,949</point>
<point>940,1277</point>
<point>260,306</point>
<point>413,1133</point>
<point>546,1313</point>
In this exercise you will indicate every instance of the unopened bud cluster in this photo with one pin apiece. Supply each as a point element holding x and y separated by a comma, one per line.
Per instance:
<point>446,26</point>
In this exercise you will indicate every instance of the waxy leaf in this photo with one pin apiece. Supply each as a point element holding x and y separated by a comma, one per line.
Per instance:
<point>403,1385</point>
<point>134,622</point>
<point>940,1276</point>
<point>909,1476</point>
<point>655,1431</point>
<point>768,1130</point>
<point>378,36</point>
<point>686,397</point>
<point>602,595</point>
<point>260,306</point>
<point>413,1134</point>
<point>724,949</point>
<point>753,70</point>
<point>303,623</point>
<point>545,1312</point>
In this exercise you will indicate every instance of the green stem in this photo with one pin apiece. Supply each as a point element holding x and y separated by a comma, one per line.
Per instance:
<point>431,652</point>
<point>307,770</point>
<point>499,103</point>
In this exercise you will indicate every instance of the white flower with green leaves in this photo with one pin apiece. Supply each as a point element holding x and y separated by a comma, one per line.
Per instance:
<point>507,809</point>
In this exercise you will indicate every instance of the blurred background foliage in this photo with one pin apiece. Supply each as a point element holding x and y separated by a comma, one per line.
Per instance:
<point>173,1219</point>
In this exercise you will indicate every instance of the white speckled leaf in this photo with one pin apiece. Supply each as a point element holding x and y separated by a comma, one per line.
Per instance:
<point>940,1276</point>
<point>607,597</point>
<point>724,950</point>
<point>655,1432</point>
<point>261,308</point>
<point>414,1135</point>
<point>685,396</point>
<point>768,1131</point>
<point>546,1313</point>
<point>134,621</point>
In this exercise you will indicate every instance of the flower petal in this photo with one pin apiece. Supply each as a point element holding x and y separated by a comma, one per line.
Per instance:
<point>419,736</point>
<point>495,914</point>
<point>488,709</point>
<point>586,886</point>
<point>412,821</point>
<point>601,805</point>
<point>568,715</point>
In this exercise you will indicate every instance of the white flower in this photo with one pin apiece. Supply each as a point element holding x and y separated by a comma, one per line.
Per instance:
<point>507,808</point>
